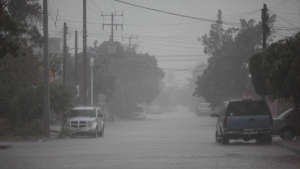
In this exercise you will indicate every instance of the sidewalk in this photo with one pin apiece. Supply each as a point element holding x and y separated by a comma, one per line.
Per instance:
<point>293,145</point>
<point>55,129</point>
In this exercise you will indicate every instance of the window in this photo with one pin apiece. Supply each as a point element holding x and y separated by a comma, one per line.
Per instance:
<point>88,113</point>
<point>243,108</point>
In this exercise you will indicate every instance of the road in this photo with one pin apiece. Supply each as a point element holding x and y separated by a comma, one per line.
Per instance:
<point>169,141</point>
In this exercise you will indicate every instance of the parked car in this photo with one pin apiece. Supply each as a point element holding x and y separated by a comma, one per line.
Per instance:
<point>85,121</point>
<point>154,111</point>
<point>285,125</point>
<point>244,119</point>
<point>203,109</point>
<point>138,113</point>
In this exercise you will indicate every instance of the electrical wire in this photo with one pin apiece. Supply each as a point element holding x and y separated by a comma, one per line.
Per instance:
<point>185,16</point>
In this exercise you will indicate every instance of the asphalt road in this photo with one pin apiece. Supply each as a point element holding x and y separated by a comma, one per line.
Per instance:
<point>169,141</point>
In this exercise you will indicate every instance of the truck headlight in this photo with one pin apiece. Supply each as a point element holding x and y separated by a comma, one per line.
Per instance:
<point>68,123</point>
<point>89,123</point>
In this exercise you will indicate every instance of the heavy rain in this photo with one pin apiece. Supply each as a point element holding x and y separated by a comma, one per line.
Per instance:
<point>160,84</point>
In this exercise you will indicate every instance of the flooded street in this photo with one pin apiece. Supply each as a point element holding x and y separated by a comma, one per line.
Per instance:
<point>171,140</point>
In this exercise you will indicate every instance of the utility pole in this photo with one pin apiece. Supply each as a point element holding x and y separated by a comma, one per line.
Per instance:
<point>65,53</point>
<point>265,27</point>
<point>84,61</point>
<point>76,65</point>
<point>129,38</point>
<point>112,25</point>
<point>46,72</point>
<point>112,115</point>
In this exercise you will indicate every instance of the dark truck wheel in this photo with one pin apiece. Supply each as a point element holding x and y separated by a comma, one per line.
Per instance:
<point>101,133</point>
<point>287,133</point>
<point>225,140</point>
<point>96,133</point>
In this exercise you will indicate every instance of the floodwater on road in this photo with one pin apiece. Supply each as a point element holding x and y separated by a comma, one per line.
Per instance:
<point>176,140</point>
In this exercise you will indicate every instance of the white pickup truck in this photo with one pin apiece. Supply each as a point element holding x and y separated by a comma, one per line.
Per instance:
<point>85,121</point>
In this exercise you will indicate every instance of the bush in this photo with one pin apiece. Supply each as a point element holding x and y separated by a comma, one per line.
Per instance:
<point>34,128</point>
<point>5,127</point>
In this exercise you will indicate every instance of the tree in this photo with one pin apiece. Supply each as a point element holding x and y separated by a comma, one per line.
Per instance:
<point>281,69</point>
<point>20,70</point>
<point>227,74</point>
<point>186,93</point>
<point>136,78</point>
<point>9,28</point>
<point>18,20</point>
<point>22,91</point>
<point>60,98</point>
<point>258,81</point>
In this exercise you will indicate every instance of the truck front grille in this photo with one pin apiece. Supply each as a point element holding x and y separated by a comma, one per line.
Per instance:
<point>78,124</point>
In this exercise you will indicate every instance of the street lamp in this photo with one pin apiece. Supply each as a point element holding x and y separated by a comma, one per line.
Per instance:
<point>92,85</point>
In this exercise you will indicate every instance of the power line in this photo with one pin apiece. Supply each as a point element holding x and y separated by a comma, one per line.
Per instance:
<point>58,15</point>
<point>93,11</point>
<point>278,4</point>
<point>285,20</point>
<point>112,4</point>
<point>185,16</point>
<point>289,5</point>
<point>169,45</point>
<point>97,5</point>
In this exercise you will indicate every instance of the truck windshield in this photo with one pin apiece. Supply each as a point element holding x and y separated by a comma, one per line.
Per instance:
<point>245,108</point>
<point>88,113</point>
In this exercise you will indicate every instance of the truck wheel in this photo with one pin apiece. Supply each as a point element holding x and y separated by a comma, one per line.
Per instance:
<point>101,133</point>
<point>96,133</point>
<point>287,134</point>
<point>225,140</point>
<point>218,139</point>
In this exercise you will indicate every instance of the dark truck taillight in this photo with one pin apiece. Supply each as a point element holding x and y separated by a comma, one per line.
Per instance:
<point>225,121</point>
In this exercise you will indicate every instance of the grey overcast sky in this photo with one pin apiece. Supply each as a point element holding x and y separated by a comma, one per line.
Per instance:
<point>172,39</point>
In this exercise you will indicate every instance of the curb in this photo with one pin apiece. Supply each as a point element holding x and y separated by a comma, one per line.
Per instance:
<point>45,139</point>
<point>294,150</point>
<point>4,147</point>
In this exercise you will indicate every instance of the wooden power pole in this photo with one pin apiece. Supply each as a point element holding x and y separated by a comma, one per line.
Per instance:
<point>265,27</point>
<point>65,54</point>
<point>84,59</point>
<point>129,38</point>
<point>112,25</point>
<point>46,72</point>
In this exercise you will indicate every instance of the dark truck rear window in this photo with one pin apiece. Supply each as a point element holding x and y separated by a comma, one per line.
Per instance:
<point>246,108</point>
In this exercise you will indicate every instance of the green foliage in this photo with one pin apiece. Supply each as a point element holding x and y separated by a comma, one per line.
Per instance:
<point>127,78</point>
<point>258,81</point>
<point>9,28</point>
<point>227,74</point>
<point>139,78</point>
<point>105,79</point>
<point>19,79</point>
<point>60,98</point>
<point>18,20</point>
<point>66,133</point>
<point>281,69</point>
<point>21,91</point>
<point>34,128</point>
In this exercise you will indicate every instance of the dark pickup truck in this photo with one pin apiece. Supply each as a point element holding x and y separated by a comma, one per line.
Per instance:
<point>244,119</point>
